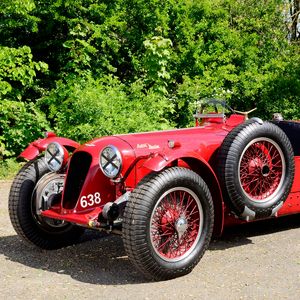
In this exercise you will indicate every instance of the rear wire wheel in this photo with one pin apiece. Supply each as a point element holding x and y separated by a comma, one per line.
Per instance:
<point>168,223</point>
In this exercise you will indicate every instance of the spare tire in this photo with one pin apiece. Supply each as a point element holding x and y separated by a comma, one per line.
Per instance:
<point>256,169</point>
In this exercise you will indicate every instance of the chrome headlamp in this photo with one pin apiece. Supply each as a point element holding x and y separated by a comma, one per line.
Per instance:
<point>110,161</point>
<point>55,156</point>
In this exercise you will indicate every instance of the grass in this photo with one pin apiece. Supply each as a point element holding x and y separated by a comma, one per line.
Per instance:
<point>9,168</point>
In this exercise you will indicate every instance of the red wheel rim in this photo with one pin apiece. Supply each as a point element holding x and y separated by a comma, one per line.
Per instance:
<point>176,224</point>
<point>261,169</point>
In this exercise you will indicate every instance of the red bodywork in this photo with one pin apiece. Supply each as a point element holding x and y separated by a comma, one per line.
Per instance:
<point>40,145</point>
<point>142,153</point>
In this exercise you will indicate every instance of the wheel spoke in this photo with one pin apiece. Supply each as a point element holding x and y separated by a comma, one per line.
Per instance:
<point>261,169</point>
<point>175,224</point>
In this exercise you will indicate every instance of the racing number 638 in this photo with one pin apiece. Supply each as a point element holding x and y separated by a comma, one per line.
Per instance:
<point>90,200</point>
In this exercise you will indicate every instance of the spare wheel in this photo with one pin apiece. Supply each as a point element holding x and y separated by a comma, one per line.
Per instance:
<point>256,169</point>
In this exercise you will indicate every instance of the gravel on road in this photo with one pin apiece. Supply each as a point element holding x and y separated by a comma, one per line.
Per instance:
<point>253,261</point>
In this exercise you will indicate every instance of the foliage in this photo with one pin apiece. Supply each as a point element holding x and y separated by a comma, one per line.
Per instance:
<point>101,67</point>
<point>283,94</point>
<point>20,123</point>
<point>156,62</point>
<point>17,72</point>
<point>104,107</point>
<point>9,168</point>
<point>16,21</point>
<point>20,120</point>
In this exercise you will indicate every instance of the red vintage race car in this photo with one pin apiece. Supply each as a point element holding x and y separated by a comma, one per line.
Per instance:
<point>166,192</point>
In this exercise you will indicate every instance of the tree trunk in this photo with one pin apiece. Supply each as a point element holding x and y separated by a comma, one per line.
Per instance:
<point>295,11</point>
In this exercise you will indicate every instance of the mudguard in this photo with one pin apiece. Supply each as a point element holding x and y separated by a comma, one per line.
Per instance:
<point>35,148</point>
<point>198,164</point>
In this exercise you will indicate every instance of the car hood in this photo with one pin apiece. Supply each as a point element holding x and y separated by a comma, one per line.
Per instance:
<point>190,140</point>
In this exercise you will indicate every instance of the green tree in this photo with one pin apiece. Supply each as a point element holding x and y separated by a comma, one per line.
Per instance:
<point>155,60</point>
<point>20,119</point>
<point>105,106</point>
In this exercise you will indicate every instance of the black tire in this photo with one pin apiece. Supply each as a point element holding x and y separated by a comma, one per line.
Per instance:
<point>152,214</point>
<point>25,222</point>
<point>256,169</point>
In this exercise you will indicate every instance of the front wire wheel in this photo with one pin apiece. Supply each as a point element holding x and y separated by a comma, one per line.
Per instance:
<point>168,223</point>
<point>176,224</point>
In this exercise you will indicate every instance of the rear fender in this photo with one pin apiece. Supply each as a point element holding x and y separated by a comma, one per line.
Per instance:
<point>196,163</point>
<point>35,148</point>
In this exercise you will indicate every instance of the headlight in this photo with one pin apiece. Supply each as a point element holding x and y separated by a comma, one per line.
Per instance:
<point>55,156</point>
<point>110,161</point>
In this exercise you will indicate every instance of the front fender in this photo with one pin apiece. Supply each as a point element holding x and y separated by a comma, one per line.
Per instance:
<point>35,148</point>
<point>198,164</point>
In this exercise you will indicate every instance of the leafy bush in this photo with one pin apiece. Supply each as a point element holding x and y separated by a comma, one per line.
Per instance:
<point>9,168</point>
<point>17,71</point>
<point>20,124</point>
<point>103,67</point>
<point>86,108</point>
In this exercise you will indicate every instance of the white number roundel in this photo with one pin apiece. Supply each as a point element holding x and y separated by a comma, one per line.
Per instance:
<point>90,200</point>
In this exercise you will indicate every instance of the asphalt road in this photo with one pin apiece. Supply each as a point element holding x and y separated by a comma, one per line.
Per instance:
<point>254,261</point>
